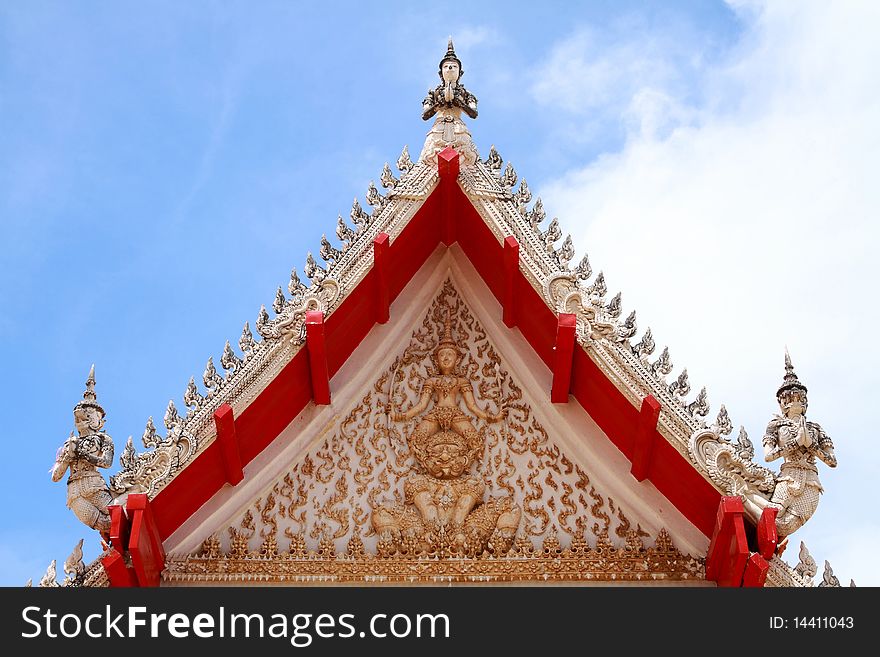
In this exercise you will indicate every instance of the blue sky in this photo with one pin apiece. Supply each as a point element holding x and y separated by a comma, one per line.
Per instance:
<point>164,165</point>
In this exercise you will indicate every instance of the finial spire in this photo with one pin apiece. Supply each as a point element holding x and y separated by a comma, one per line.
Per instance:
<point>89,394</point>
<point>90,397</point>
<point>790,381</point>
<point>789,368</point>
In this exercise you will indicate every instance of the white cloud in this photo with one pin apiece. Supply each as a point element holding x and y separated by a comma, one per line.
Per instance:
<point>747,220</point>
<point>471,36</point>
<point>627,70</point>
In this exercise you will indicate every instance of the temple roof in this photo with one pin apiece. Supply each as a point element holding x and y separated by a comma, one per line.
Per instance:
<point>616,373</point>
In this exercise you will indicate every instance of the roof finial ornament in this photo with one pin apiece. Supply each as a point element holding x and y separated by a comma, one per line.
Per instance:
<point>794,491</point>
<point>799,442</point>
<point>89,394</point>
<point>447,101</point>
<point>82,454</point>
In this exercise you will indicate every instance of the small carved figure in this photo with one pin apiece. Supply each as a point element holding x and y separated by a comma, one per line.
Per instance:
<point>799,443</point>
<point>87,492</point>
<point>444,508</point>
<point>447,101</point>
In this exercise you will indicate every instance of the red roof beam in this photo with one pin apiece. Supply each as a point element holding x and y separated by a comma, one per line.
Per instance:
<point>119,527</point>
<point>645,437</point>
<point>511,276</point>
<point>448,164</point>
<point>768,539</point>
<point>380,277</point>
<point>224,421</point>
<point>756,571</point>
<point>728,550</point>
<point>566,326</point>
<point>144,544</point>
<point>317,347</point>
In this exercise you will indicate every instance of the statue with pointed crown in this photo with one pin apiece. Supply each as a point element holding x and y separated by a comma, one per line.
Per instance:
<point>799,442</point>
<point>87,492</point>
<point>446,102</point>
<point>444,510</point>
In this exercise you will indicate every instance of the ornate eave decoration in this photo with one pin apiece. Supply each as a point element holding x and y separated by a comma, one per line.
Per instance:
<point>577,563</point>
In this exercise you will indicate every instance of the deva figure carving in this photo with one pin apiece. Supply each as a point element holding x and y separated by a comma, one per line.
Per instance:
<point>446,102</point>
<point>794,491</point>
<point>798,442</point>
<point>444,511</point>
<point>82,454</point>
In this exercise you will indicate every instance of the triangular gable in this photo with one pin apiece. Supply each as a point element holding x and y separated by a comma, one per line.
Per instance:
<point>273,383</point>
<point>583,517</point>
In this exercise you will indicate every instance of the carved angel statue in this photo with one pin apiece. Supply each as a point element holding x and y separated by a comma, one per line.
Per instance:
<point>799,442</point>
<point>444,506</point>
<point>794,491</point>
<point>447,101</point>
<point>87,492</point>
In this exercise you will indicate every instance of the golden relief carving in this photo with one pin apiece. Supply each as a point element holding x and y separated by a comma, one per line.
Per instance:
<point>579,562</point>
<point>411,486</point>
<point>444,512</point>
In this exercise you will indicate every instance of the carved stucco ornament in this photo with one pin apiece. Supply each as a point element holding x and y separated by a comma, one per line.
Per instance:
<point>446,102</point>
<point>82,454</point>
<point>144,472</point>
<point>444,511</point>
<point>566,295</point>
<point>795,489</point>
<point>290,320</point>
<point>491,495</point>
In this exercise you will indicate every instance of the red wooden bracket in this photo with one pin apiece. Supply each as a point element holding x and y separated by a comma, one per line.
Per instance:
<point>768,539</point>
<point>380,275</point>
<point>511,270</point>
<point>224,421</point>
<point>144,544</point>
<point>562,358</point>
<point>448,165</point>
<point>317,347</point>
<point>729,550</point>
<point>646,435</point>
<point>119,527</point>
<point>756,571</point>
<point>119,575</point>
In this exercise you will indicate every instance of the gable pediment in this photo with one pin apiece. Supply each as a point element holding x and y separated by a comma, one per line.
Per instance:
<point>340,479</point>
